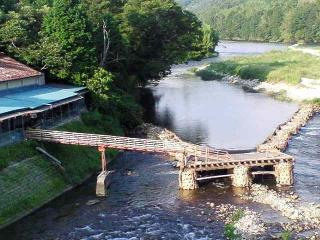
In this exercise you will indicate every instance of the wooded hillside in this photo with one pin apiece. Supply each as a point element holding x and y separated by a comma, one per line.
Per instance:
<point>263,20</point>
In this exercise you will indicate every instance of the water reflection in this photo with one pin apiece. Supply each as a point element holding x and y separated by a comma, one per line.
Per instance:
<point>215,113</point>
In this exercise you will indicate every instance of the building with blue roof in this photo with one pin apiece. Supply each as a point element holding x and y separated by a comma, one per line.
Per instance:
<point>27,101</point>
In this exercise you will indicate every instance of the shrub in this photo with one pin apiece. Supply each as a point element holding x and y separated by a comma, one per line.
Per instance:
<point>207,75</point>
<point>230,232</point>
<point>253,72</point>
<point>286,235</point>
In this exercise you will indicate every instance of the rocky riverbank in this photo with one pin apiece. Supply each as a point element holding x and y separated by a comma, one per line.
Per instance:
<point>306,90</point>
<point>305,217</point>
<point>279,139</point>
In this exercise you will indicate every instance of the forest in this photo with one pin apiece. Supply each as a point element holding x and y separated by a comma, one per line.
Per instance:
<point>260,20</point>
<point>110,46</point>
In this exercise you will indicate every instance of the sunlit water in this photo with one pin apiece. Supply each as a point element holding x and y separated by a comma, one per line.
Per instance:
<point>147,204</point>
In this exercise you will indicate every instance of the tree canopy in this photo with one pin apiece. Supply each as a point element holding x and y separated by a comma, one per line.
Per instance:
<point>263,20</point>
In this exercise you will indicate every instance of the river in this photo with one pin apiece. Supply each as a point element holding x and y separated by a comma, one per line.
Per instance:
<point>147,203</point>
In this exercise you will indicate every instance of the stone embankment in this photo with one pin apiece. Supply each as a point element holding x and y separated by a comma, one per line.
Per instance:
<point>278,140</point>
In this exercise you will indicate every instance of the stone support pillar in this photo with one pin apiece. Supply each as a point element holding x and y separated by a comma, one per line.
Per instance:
<point>284,173</point>
<point>187,179</point>
<point>241,176</point>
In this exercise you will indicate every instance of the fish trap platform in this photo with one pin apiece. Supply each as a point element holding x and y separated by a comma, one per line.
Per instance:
<point>241,168</point>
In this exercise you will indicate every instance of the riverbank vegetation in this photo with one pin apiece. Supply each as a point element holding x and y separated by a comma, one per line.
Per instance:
<point>264,20</point>
<point>28,179</point>
<point>277,66</point>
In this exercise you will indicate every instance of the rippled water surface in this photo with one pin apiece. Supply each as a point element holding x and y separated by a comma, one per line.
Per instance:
<point>144,201</point>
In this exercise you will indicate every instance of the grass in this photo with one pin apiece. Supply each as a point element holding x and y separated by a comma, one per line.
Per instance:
<point>230,229</point>
<point>286,235</point>
<point>275,66</point>
<point>314,101</point>
<point>27,185</point>
<point>16,153</point>
<point>34,180</point>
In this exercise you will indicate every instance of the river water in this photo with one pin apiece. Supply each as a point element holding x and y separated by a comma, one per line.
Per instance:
<point>146,204</point>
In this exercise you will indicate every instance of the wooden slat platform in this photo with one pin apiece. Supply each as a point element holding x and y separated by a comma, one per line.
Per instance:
<point>245,159</point>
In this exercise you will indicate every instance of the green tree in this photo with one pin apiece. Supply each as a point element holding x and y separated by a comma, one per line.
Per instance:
<point>67,26</point>
<point>158,34</point>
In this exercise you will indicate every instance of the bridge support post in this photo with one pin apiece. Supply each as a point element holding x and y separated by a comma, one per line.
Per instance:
<point>103,180</point>
<point>187,179</point>
<point>284,173</point>
<point>241,176</point>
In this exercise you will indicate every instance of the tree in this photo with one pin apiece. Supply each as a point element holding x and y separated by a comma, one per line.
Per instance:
<point>66,25</point>
<point>210,39</point>
<point>158,34</point>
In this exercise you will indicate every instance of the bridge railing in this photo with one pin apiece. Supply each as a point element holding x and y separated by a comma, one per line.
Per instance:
<point>125,143</point>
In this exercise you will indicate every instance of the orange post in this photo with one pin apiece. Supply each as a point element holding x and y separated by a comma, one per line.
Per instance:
<point>102,150</point>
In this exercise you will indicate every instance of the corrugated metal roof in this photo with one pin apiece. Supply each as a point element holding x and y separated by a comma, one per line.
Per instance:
<point>30,98</point>
<point>11,69</point>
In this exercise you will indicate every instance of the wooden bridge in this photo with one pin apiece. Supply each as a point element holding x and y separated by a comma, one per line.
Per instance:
<point>196,162</point>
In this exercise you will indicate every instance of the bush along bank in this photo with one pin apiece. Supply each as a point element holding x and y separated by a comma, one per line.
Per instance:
<point>28,180</point>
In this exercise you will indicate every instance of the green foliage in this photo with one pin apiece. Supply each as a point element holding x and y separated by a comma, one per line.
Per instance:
<point>208,75</point>
<point>66,24</point>
<point>237,215</point>
<point>229,229</point>
<point>159,33</point>
<point>113,101</point>
<point>210,39</point>
<point>275,66</point>
<point>262,20</point>
<point>230,232</point>
<point>286,235</point>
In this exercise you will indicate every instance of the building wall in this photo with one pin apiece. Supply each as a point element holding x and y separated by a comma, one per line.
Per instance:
<point>38,80</point>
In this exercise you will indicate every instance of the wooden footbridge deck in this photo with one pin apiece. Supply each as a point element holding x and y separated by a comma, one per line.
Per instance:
<point>195,159</point>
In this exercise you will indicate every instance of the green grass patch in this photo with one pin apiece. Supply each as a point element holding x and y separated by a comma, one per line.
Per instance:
<point>275,66</point>
<point>229,229</point>
<point>314,101</point>
<point>27,185</point>
<point>208,75</point>
<point>286,235</point>
<point>16,152</point>
<point>237,215</point>
<point>230,232</point>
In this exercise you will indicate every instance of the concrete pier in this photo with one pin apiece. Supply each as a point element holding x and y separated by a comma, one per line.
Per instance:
<point>103,183</point>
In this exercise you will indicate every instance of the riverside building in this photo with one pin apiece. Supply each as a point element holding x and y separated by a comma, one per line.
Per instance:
<point>27,101</point>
